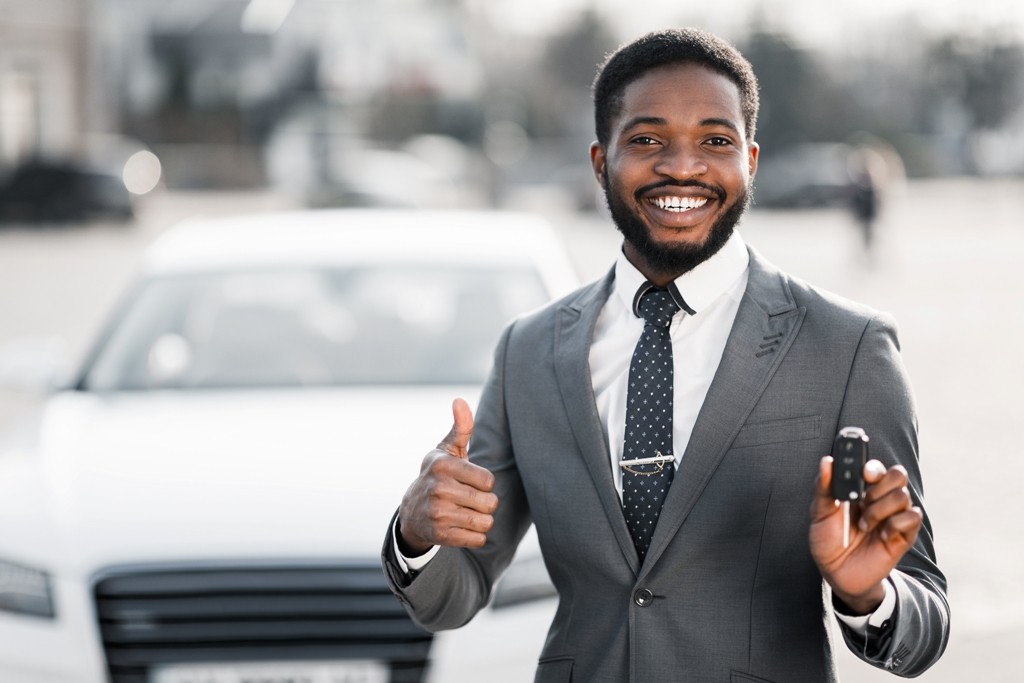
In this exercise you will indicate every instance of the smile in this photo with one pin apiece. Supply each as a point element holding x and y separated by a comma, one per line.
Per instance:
<point>679,204</point>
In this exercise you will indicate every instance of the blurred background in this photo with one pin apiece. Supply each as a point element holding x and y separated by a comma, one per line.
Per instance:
<point>892,172</point>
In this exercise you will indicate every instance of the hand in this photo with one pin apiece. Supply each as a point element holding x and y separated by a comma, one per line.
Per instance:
<point>883,526</point>
<point>451,502</point>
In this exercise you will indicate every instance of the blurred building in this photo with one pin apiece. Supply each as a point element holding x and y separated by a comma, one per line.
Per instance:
<point>44,79</point>
<point>348,101</point>
<point>210,86</point>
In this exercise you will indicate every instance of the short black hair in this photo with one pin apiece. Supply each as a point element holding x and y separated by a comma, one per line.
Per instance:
<point>662,48</point>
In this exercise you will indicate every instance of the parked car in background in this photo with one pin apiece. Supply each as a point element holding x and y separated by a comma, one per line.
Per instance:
<point>41,191</point>
<point>205,501</point>
<point>810,175</point>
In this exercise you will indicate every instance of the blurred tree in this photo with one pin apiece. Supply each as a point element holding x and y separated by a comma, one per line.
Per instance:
<point>572,56</point>
<point>981,73</point>
<point>561,95</point>
<point>801,101</point>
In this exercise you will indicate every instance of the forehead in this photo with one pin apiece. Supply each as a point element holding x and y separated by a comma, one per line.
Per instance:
<point>680,93</point>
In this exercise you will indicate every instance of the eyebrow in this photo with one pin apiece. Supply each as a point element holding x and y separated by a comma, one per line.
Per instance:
<point>659,121</point>
<point>644,121</point>
<point>728,123</point>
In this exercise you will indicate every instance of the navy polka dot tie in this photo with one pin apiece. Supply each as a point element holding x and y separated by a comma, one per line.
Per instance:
<point>649,420</point>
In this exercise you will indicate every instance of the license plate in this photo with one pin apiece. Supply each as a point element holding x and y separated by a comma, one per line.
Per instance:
<point>354,671</point>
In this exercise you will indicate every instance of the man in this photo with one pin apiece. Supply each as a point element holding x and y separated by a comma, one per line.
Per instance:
<point>668,461</point>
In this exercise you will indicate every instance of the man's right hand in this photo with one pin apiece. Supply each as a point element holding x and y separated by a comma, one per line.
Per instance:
<point>451,502</point>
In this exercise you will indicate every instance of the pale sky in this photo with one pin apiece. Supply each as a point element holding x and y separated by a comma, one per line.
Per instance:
<point>814,22</point>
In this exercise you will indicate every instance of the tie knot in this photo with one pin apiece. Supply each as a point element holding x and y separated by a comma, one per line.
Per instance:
<point>657,307</point>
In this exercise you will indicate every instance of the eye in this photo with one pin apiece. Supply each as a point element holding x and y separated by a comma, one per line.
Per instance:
<point>643,140</point>
<point>719,141</point>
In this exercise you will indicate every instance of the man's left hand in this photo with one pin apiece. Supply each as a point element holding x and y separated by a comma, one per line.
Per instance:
<point>883,526</point>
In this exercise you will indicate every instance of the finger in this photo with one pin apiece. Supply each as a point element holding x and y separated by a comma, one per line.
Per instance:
<point>824,481</point>
<point>873,471</point>
<point>466,496</point>
<point>900,531</point>
<point>446,467</point>
<point>457,441</point>
<point>459,526</point>
<point>461,538</point>
<point>877,512</point>
<point>823,504</point>
<point>893,479</point>
<point>468,520</point>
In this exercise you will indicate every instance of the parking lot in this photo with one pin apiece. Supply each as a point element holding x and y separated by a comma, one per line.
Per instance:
<point>947,266</point>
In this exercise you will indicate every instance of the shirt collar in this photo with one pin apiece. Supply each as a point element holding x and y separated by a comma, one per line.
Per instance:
<point>693,290</point>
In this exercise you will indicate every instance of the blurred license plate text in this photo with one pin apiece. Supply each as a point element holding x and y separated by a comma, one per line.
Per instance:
<point>274,672</point>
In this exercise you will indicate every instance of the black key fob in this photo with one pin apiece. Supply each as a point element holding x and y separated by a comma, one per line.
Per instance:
<point>849,455</point>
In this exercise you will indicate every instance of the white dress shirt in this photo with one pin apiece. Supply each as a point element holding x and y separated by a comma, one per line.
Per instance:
<point>713,291</point>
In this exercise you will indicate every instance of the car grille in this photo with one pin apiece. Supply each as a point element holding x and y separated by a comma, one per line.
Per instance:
<point>160,616</point>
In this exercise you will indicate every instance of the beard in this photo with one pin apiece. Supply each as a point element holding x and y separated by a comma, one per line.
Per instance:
<point>674,259</point>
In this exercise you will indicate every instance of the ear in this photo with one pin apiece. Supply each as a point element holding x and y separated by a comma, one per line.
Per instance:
<point>752,151</point>
<point>598,161</point>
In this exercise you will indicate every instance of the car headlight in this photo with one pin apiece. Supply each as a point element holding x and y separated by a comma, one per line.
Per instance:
<point>24,590</point>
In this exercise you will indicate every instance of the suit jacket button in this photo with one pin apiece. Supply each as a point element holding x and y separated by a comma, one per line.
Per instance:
<point>643,597</point>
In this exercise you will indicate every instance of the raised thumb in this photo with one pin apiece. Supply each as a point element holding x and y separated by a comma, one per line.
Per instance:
<point>457,441</point>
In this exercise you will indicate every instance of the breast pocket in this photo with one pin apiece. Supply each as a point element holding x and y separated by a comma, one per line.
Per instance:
<point>779,431</point>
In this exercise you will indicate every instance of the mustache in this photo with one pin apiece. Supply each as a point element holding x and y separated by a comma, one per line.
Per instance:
<point>716,190</point>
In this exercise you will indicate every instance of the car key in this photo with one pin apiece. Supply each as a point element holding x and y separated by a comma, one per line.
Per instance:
<point>849,455</point>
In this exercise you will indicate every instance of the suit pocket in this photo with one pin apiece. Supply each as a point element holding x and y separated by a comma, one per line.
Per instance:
<point>779,431</point>
<point>554,670</point>
<point>738,677</point>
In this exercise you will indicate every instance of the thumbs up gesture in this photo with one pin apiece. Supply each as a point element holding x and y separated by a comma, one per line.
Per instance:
<point>451,502</point>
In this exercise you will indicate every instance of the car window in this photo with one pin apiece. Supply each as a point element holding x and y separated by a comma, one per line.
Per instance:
<point>312,327</point>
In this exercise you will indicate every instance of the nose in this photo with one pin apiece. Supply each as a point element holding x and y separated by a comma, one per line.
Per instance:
<point>680,162</point>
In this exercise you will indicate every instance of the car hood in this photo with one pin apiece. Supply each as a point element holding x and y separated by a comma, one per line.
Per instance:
<point>217,476</point>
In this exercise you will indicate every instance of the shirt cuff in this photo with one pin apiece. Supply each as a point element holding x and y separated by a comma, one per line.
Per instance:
<point>877,618</point>
<point>411,564</point>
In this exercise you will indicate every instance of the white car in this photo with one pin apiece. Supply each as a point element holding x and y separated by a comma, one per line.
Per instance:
<point>206,501</point>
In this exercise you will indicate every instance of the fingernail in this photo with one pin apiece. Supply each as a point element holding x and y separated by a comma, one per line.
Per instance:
<point>885,535</point>
<point>876,467</point>
<point>862,525</point>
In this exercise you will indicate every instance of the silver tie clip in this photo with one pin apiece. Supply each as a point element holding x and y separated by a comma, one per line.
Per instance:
<point>659,460</point>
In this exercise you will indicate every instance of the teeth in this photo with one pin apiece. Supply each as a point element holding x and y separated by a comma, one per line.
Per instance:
<point>679,203</point>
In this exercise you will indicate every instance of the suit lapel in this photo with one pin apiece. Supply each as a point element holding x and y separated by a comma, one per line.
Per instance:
<point>574,331</point>
<point>766,323</point>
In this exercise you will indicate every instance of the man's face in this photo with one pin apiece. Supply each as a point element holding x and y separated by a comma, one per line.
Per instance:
<point>677,168</point>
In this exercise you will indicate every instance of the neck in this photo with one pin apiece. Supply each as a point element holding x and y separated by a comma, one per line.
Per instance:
<point>655,276</point>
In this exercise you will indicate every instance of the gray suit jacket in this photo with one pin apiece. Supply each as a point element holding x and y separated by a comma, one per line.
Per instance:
<point>729,591</point>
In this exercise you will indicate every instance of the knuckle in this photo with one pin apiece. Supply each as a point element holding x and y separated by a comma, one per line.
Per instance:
<point>483,522</point>
<point>435,465</point>
<point>491,504</point>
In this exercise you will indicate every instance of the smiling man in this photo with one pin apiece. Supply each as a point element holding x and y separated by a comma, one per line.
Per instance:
<point>683,165</point>
<point>668,428</point>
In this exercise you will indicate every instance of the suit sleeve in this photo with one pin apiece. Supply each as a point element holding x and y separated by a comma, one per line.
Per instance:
<point>879,399</point>
<point>457,582</point>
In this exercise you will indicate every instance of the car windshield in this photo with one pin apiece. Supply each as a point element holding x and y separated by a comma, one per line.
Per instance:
<point>361,325</point>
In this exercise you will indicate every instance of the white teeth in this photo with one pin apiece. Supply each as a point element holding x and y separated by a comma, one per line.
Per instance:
<point>679,203</point>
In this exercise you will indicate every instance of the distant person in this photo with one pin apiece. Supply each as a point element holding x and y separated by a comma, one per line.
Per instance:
<point>698,376</point>
<point>864,202</point>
